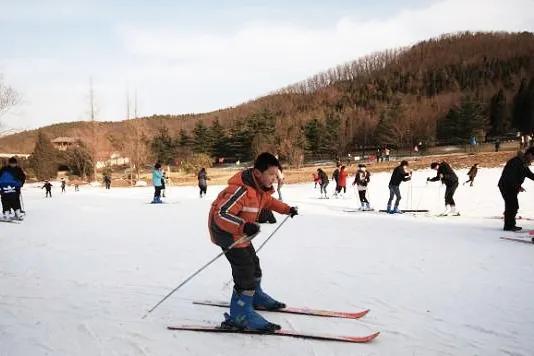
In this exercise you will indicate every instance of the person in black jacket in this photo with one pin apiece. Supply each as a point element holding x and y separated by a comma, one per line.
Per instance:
<point>450,179</point>
<point>48,189</point>
<point>361,180</point>
<point>513,175</point>
<point>400,174</point>
<point>323,183</point>
<point>472,174</point>
<point>12,179</point>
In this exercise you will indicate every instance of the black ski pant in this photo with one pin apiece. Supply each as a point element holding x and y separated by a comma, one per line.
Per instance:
<point>62,189</point>
<point>470,180</point>
<point>394,192</point>
<point>449,193</point>
<point>48,193</point>
<point>511,206</point>
<point>323,188</point>
<point>361,194</point>
<point>157,192</point>
<point>203,189</point>
<point>246,268</point>
<point>10,201</point>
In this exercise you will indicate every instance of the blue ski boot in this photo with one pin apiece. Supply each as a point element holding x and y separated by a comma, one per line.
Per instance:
<point>396,211</point>
<point>263,300</point>
<point>243,316</point>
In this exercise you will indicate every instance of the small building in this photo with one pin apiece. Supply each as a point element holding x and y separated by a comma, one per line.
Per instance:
<point>63,143</point>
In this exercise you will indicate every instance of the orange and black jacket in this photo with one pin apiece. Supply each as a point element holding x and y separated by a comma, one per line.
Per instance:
<point>237,204</point>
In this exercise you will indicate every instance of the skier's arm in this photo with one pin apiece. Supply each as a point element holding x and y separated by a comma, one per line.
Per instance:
<point>277,205</point>
<point>228,209</point>
<point>528,173</point>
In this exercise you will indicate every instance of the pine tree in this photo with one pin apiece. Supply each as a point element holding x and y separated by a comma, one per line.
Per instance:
<point>219,140</point>
<point>519,112</point>
<point>184,140</point>
<point>44,159</point>
<point>201,138</point>
<point>163,146</point>
<point>497,114</point>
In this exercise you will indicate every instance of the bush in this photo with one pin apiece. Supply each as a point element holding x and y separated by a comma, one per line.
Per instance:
<point>194,162</point>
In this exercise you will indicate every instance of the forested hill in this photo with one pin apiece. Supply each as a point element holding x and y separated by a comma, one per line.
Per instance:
<point>445,89</point>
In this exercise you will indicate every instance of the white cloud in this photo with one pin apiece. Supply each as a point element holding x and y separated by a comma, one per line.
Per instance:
<point>176,71</point>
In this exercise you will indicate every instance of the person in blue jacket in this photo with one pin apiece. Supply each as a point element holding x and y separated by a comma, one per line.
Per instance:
<point>157,174</point>
<point>12,178</point>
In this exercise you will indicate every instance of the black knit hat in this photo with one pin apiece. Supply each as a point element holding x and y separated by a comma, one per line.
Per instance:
<point>12,160</point>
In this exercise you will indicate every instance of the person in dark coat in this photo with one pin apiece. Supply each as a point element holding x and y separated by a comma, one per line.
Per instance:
<point>361,180</point>
<point>513,175</point>
<point>335,177</point>
<point>446,175</point>
<point>48,188</point>
<point>202,181</point>
<point>323,182</point>
<point>400,174</point>
<point>12,178</point>
<point>472,174</point>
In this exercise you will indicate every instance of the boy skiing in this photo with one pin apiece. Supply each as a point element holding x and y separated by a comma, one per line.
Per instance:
<point>48,189</point>
<point>232,218</point>
<point>472,174</point>
<point>513,175</point>
<point>361,180</point>
<point>12,178</point>
<point>400,174</point>
<point>447,176</point>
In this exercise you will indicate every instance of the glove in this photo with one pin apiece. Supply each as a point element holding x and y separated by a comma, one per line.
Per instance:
<point>251,229</point>
<point>293,211</point>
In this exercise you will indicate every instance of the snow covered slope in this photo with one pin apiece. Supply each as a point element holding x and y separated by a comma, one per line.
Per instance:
<point>79,273</point>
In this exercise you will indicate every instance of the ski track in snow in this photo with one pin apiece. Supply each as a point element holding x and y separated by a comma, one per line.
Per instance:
<point>77,275</point>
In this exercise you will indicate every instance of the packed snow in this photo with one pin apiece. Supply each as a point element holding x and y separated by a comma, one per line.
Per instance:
<point>78,274</point>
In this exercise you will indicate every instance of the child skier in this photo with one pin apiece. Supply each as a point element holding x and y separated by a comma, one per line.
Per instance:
<point>450,179</point>
<point>202,181</point>
<point>156,182</point>
<point>361,180</point>
<point>472,174</point>
<point>342,180</point>
<point>232,216</point>
<point>48,188</point>
<point>400,174</point>
<point>63,185</point>
<point>12,178</point>
<point>335,177</point>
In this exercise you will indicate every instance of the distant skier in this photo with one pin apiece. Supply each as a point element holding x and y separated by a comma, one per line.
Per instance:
<point>361,180</point>
<point>232,218</point>
<point>497,145</point>
<point>279,183</point>
<point>446,174</point>
<point>107,181</point>
<point>48,188</point>
<point>335,177</point>
<point>12,179</point>
<point>472,174</point>
<point>63,185</point>
<point>342,180</point>
<point>316,180</point>
<point>156,182</point>
<point>323,182</point>
<point>400,174</point>
<point>202,181</point>
<point>163,183</point>
<point>513,175</point>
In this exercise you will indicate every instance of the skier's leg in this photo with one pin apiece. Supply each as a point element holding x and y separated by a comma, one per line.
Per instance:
<point>398,197</point>
<point>511,206</point>
<point>245,271</point>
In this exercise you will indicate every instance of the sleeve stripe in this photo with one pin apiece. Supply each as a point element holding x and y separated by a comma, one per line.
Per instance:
<point>223,211</point>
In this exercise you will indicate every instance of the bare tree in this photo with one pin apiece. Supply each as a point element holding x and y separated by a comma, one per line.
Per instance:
<point>92,113</point>
<point>9,97</point>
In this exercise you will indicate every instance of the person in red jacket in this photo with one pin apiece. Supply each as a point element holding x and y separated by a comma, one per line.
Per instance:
<point>342,180</point>
<point>233,217</point>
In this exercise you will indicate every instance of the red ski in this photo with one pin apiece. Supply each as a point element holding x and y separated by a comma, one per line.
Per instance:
<point>293,310</point>
<point>526,240</point>
<point>291,333</point>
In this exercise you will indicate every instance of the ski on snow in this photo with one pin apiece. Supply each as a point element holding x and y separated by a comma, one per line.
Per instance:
<point>294,310</point>
<point>282,332</point>
<point>526,240</point>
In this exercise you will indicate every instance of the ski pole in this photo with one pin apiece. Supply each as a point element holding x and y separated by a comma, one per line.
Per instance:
<point>241,240</point>
<point>22,202</point>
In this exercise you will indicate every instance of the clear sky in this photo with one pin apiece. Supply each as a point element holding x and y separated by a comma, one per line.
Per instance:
<point>184,57</point>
